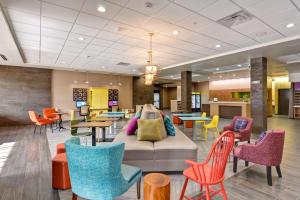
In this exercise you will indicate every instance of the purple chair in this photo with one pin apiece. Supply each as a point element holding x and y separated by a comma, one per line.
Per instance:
<point>243,134</point>
<point>266,152</point>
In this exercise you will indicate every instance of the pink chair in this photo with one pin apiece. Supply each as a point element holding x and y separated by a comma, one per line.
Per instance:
<point>243,134</point>
<point>210,172</point>
<point>267,152</point>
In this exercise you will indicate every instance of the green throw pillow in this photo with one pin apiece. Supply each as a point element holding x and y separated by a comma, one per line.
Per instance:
<point>149,130</point>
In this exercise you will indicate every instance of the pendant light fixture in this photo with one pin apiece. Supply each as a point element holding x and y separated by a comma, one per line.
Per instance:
<point>150,69</point>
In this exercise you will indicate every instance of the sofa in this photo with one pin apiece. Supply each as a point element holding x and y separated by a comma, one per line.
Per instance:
<point>168,154</point>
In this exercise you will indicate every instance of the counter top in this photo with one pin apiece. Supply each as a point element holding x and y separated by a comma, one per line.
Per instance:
<point>228,102</point>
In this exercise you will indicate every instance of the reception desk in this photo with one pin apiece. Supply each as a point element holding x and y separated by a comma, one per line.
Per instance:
<point>229,109</point>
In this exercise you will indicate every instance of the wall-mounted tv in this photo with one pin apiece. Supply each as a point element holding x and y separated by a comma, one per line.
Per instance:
<point>80,103</point>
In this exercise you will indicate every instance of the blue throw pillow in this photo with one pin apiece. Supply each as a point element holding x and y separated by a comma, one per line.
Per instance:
<point>169,126</point>
<point>240,124</point>
<point>261,137</point>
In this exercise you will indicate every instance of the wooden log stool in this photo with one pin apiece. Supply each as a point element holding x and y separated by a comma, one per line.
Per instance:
<point>156,187</point>
<point>60,148</point>
<point>60,172</point>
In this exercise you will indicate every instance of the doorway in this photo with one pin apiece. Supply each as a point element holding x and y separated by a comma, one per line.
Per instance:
<point>283,101</point>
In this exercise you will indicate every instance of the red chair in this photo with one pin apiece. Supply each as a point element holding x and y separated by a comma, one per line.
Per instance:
<point>211,171</point>
<point>267,152</point>
<point>38,121</point>
<point>243,134</point>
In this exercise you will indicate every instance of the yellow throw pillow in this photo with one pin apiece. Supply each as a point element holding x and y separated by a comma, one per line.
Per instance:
<point>149,130</point>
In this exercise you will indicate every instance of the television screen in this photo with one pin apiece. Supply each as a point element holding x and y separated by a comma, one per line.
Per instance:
<point>80,103</point>
<point>112,103</point>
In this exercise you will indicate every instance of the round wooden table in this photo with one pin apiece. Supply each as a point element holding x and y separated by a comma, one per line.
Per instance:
<point>156,187</point>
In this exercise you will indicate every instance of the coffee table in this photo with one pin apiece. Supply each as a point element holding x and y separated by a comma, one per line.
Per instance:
<point>194,119</point>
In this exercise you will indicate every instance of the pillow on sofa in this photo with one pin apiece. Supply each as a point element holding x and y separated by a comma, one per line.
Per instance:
<point>262,136</point>
<point>132,126</point>
<point>149,130</point>
<point>169,126</point>
<point>240,124</point>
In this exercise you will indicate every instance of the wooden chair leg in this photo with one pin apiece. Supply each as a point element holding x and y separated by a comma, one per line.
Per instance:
<point>34,129</point>
<point>246,163</point>
<point>278,171</point>
<point>269,175</point>
<point>183,188</point>
<point>235,162</point>
<point>138,188</point>
<point>40,129</point>
<point>74,196</point>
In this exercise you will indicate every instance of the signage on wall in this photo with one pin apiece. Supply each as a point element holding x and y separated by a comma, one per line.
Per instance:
<point>113,95</point>
<point>79,94</point>
<point>255,82</point>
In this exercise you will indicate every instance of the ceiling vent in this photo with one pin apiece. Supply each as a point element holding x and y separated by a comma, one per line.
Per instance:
<point>3,57</point>
<point>123,64</point>
<point>236,19</point>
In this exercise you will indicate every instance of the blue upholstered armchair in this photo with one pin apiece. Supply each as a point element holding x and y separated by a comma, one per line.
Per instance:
<point>97,173</point>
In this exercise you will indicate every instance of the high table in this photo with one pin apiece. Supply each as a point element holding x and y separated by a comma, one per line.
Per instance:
<point>113,115</point>
<point>105,119</point>
<point>176,116</point>
<point>194,119</point>
<point>93,125</point>
<point>60,126</point>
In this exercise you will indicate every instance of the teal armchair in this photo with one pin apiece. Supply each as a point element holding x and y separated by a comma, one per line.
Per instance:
<point>97,172</point>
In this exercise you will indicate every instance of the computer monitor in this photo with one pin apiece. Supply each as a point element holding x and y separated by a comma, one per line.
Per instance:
<point>112,103</point>
<point>80,103</point>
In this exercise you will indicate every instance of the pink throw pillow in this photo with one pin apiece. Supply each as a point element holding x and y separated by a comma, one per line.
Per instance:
<point>132,126</point>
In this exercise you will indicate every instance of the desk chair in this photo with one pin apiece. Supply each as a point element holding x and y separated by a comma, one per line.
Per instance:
<point>84,111</point>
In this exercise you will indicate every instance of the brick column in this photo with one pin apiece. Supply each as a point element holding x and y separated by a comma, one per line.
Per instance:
<point>186,91</point>
<point>259,94</point>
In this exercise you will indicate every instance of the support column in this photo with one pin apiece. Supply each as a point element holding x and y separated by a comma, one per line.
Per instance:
<point>259,94</point>
<point>186,91</point>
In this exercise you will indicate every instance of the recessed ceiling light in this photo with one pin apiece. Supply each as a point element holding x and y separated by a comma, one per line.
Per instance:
<point>171,76</point>
<point>175,32</point>
<point>208,77</point>
<point>290,25</point>
<point>233,75</point>
<point>134,70</point>
<point>218,46</point>
<point>103,67</point>
<point>239,65</point>
<point>217,68</point>
<point>63,62</point>
<point>101,9</point>
<point>220,76</point>
<point>80,38</point>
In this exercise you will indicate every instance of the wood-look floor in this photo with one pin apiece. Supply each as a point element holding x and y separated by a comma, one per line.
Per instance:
<point>25,168</point>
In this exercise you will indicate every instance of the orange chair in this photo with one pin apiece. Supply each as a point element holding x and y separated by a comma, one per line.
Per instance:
<point>176,120</point>
<point>211,171</point>
<point>48,114</point>
<point>60,148</point>
<point>38,121</point>
<point>60,172</point>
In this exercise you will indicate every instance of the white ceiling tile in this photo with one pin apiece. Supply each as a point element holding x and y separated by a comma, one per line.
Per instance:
<point>27,6</point>
<point>73,4</point>
<point>25,28</point>
<point>92,21</point>
<point>195,5</point>
<point>65,59</point>
<point>35,44</point>
<point>140,6</point>
<point>119,2</point>
<point>53,42</point>
<point>130,17</point>
<point>83,30</point>
<point>102,42</point>
<point>173,13</point>
<point>75,44</point>
<point>58,12</point>
<point>75,36</point>
<point>32,56</point>
<point>120,46</point>
<point>289,58</point>
<point>91,6</point>
<point>158,26</point>
<point>220,9</point>
<point>56,24</point>
<point>48,58</point>
<point>22,17</point>
<point>28,36</point>
<point>48,32</point>
<point>117,27</point>
<point>109,36</point>
<point>257,30</point>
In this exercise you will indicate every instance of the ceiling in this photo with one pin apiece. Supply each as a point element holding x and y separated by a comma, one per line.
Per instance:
<point>47,32</point>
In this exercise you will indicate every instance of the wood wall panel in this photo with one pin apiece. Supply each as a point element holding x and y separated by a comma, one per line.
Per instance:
<point>225,95</point>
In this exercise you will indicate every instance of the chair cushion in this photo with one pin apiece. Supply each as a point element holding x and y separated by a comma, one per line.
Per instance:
<point>240,124</point>
<point>149,129</point>
<point>132,126</point>
<point>169,126</point>
<point>130,172</point>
